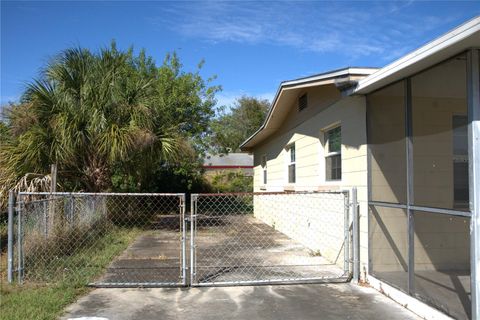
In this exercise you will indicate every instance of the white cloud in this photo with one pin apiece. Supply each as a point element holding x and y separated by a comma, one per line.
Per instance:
<point>226,99</point>
<point>377,30</point>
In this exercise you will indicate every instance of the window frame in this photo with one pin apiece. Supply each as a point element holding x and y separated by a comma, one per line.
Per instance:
<point>291,162</point>
<point>263,164</point>
<point>330,154</point>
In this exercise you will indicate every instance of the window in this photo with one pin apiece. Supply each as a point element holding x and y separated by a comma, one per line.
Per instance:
<point>264,168</point>
<point>333,160</point>
<point>302,102</point>
<point>291,164</point>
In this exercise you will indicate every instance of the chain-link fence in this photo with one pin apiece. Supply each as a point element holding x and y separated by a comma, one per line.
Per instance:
<point>112,239</point>
<point>3,244</point>
<point>269,237</point>
<point>108,239</point>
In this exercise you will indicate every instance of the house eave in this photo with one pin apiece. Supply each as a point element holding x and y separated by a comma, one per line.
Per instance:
<point>336,77</point>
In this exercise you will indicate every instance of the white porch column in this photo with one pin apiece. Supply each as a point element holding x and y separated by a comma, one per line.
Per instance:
<point>474,160</point>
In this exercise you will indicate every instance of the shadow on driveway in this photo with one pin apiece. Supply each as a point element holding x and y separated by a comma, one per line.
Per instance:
<point>305,302</point>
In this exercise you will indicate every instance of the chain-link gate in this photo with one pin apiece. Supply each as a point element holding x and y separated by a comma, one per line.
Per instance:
<point>133,240</point>
<point>250,238</point>
<point>110,239</point>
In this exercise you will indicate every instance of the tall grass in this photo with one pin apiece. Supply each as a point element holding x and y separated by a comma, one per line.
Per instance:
<point>68,242</point>
<point>47,299</point>
<point>61,254</point>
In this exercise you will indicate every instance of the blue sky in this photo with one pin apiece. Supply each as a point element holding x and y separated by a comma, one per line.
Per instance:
<point>250,46</point>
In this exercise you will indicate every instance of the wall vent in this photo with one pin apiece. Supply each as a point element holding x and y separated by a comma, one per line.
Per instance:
<point>302,102</point>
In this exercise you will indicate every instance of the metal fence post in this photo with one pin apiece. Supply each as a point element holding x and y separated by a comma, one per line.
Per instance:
<point>193,212</point>
<point>346,247</point>
<point>11,203</point>
<point>356,237</point>
<point>20,243</point>
<point>184,239</point>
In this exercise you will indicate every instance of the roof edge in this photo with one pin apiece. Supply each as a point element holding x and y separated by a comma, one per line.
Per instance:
<point>331,74</point>
<point>366,71</point>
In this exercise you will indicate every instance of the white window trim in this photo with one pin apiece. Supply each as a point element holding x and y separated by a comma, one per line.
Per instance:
<point>324,154</point>
<point>288,162</point>
<point>329,154</point>
<point>264,170</point>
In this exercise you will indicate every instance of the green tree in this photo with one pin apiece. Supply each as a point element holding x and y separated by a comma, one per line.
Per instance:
<point>232,128</point>
<point>184,101</point>
<point>231,181</point>
<point>101,115</point>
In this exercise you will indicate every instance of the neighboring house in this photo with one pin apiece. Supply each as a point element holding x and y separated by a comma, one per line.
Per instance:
<point>408,137</point>
<point>232,162</point>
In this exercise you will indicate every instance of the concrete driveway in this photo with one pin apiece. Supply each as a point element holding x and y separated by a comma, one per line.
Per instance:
<point>240,248</point>
<point>228,249</point>
<point>299,302</point>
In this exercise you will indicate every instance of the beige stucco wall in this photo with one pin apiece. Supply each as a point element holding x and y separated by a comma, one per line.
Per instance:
<point>438,94</point>
<point>316,220</point>
<point>389,239</point>
<point>432,150</point>
<point>306,129</point>
<point>441,242</point>
<point>388,167</point>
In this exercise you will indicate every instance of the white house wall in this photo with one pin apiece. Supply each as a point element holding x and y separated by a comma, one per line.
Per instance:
<point>326,108</point>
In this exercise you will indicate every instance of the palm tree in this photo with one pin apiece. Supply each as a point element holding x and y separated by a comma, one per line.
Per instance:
<point>87,112</point>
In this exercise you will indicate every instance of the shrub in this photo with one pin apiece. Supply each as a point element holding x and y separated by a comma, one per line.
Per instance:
<point>231,181</point>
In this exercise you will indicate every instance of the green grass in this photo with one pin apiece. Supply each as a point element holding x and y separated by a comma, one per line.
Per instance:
<point>46,301</point>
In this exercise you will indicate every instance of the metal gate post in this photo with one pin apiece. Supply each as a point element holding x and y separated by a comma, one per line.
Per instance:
<point>193,222</point>
<point>184,239</point>
<point>346,228</point>
<point>356,237</point>
<point>20,241</point>
<point>11,204</point>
